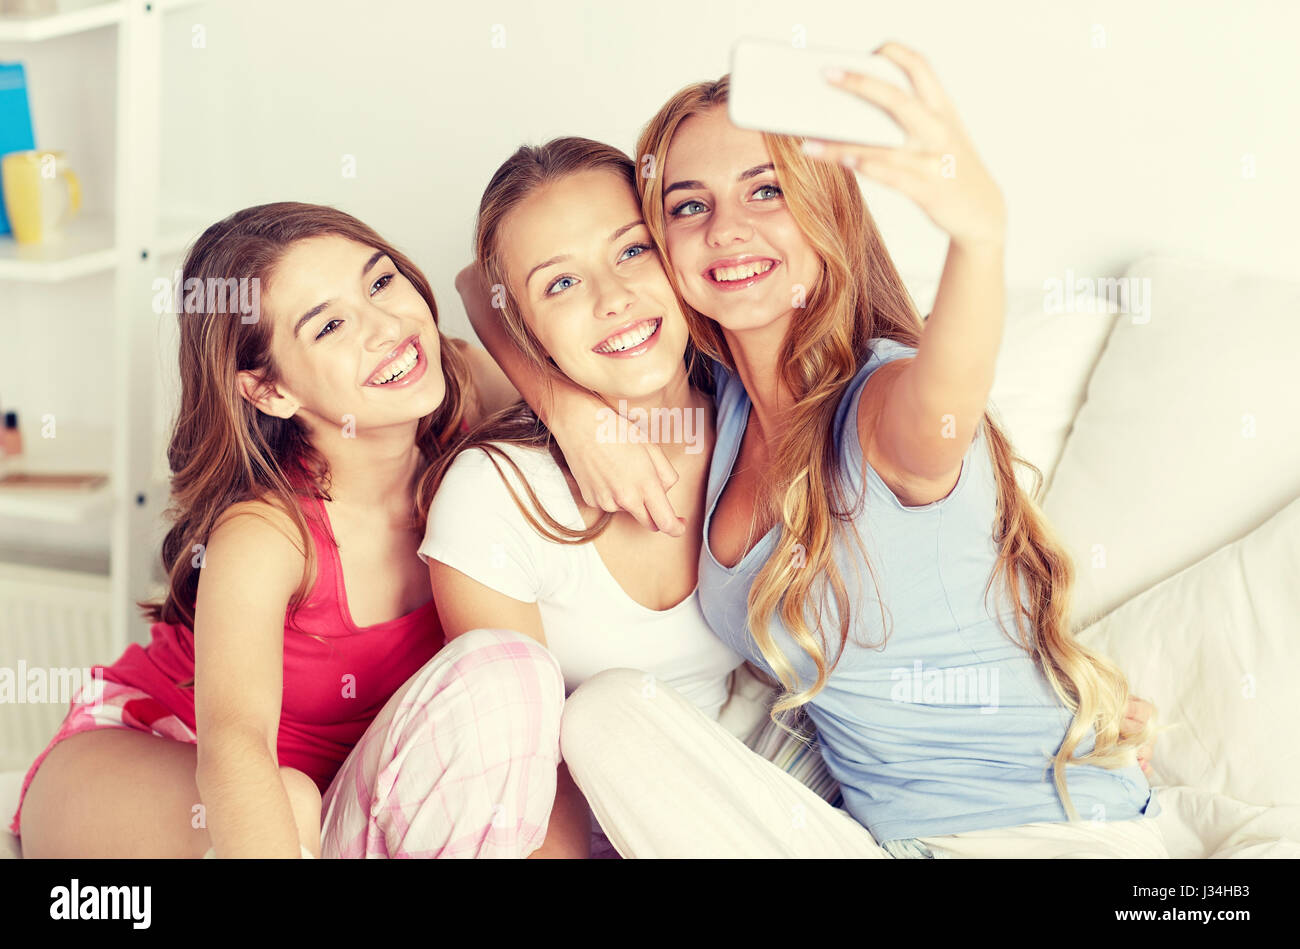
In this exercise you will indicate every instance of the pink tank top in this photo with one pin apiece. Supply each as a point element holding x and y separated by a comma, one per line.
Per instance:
<point>337,676</point>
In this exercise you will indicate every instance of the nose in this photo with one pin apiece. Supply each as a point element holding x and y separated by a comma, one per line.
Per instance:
<point>383,330</point>
<point>728,225</point>
<point>614,297</point>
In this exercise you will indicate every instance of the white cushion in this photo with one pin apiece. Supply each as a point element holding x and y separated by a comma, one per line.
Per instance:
<point>1190,434</point>
<point>1216,649</point>
<point>1042,370</point>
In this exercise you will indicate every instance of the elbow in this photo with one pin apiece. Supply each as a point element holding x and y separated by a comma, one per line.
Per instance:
<point>226,751</point>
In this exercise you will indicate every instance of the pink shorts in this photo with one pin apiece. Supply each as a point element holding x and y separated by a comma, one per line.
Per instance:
<point>103,704</point>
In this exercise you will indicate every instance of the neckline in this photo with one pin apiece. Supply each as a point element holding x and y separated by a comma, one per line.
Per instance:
<point>577,519</point>
<point>340,588</point>
<point>713,504</point>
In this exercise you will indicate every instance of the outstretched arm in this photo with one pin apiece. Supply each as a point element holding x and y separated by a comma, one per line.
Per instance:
<point>916,421</point>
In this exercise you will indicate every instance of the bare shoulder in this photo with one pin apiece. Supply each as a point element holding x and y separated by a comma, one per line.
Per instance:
<point>871,404</point>
<point>262,534</point>
<point>909,489</point>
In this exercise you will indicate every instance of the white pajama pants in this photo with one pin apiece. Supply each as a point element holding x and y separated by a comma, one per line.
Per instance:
<point>664,780</point>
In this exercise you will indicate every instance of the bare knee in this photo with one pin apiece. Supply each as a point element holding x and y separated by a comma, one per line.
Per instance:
<point>305,802</point>
<point>114,793</point>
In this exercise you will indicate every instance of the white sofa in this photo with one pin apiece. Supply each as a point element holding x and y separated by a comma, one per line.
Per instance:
<point>1169,441</point>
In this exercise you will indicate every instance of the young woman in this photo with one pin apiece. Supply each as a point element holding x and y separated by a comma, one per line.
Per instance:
<point>298,616</point>
<point>510,542</point>
<point>865,541</point>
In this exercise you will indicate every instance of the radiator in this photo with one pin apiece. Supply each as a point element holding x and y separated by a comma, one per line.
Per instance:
<point>54,625</point>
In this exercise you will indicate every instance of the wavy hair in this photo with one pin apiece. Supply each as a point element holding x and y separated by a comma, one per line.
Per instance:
<point>223,450</point>
<point>860,296</point>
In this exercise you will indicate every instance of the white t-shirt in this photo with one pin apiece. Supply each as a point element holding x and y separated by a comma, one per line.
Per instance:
<point>590,623</point>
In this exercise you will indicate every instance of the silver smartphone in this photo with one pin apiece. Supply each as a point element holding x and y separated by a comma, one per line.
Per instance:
<point>777,87</point>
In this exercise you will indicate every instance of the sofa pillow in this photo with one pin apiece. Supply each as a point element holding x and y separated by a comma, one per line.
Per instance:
<point>1042,369</point>
<point>1217,649</point>
<point>1190,434</point>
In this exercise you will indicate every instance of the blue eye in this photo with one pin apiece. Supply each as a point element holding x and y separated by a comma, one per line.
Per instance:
<point>768,188</point>
<point>641,248</point>
<point>381,283</point>
<point>551,288</point>
<point>328,328</point>
<point>680,210</point>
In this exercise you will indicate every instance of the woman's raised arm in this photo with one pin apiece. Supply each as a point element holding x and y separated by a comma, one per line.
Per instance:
<point>926,412</point>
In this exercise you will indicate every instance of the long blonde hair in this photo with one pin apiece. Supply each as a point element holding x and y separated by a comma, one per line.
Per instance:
<point>860,296</point>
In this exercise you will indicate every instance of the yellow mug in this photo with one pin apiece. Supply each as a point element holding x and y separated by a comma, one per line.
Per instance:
<point>41,194</point>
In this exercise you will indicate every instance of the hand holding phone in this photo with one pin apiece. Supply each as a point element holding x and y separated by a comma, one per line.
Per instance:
<point>907,136</point>
<point>776,87</point>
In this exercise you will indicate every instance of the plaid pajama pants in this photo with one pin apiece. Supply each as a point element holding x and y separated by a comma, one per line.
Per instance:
<point>461,761</point>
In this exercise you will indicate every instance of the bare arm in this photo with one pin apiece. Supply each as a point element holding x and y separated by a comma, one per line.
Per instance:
<point>917,420</point>
<point>927,410</point>
<point>464,604</point>
<point>632,477</point>
<point>250,571</point>
<point>493,391</point>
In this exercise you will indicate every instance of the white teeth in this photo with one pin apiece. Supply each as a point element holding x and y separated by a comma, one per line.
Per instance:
<point>743,272</point>
<point>633,337</point>
<point>400,366</point>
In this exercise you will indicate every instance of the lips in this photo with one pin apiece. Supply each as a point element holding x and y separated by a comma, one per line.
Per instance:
<point>403,366</point>
<point>738,273</point>
<point>631,339</point>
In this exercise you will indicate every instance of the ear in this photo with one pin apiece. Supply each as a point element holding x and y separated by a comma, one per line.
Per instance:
<point>266,398</point>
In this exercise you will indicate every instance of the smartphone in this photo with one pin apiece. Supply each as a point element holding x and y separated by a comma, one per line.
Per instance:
<point>776,87</point>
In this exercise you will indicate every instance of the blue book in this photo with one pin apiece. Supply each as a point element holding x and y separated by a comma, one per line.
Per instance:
<point>15,120</point>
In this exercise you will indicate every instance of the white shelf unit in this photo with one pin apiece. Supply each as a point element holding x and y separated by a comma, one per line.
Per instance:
<point>88,248</point>
<point>126,246</point>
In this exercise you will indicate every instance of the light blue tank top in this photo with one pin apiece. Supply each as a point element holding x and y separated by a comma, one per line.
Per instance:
<point>951,727</point>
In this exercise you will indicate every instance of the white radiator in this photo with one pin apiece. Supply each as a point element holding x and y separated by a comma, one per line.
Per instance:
<point>54,625</point>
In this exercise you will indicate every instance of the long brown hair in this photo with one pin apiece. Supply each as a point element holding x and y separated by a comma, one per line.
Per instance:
<point>525,172</point>
<point>858,297</point>
<point>223,450</point>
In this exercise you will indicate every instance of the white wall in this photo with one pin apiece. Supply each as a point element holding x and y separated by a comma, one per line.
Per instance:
<point>1114,128</point>
<point>1103,153</point>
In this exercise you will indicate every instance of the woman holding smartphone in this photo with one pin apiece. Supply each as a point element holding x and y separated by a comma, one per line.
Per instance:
<point>865,540</point>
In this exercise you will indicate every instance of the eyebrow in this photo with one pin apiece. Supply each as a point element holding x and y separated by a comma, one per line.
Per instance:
<point>692,185</point>
<point>320,307</point>
<point>562,257</point>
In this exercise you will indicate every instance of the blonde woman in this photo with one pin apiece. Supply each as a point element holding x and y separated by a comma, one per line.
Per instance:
<point>865,540</point>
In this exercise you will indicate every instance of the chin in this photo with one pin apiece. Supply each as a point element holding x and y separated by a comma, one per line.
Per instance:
<point>436,396</point>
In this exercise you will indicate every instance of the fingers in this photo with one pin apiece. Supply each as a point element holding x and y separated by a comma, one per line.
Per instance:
<point>907,172</point>
<point>916,118</point>
<point>1136,714</point>
<point>1144,756</point>
<point>649,507</point>
<point>668,475</point>
<point>665,518</point>
<point>919,74</point>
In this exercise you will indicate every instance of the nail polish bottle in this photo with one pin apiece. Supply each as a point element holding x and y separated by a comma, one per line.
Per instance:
<point>11,439</point>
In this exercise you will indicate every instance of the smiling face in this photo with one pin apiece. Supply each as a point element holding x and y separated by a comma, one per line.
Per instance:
<point>591,288</point>
<point>735,249</point>
<point>351,336</point>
